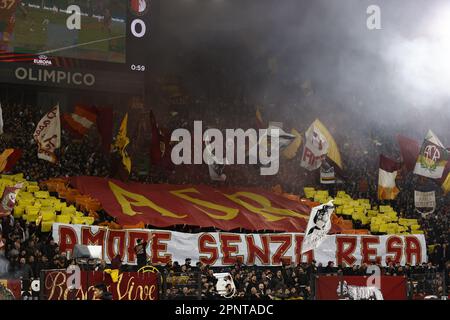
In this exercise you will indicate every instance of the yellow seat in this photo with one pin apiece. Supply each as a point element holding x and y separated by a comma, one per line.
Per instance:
<point>31,210</point>
<point>48,216</point>
<point>63,219</point>
<point>41,194</point>
<point>57,206</point>
<point>385,209</point>
<point>372,213</point>
<point>26,202</point>
<point>88,220</point>
<point>341,194</point>
<point>46,202</point>
<point>79,214</point>
<point>32,188</point>
<point>365,220</point>
<point>46,226</point>
<point>31,217</point>
<point>68,210</point>
<point>77,220</point>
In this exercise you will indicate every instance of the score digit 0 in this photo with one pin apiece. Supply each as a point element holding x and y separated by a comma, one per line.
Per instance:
<point>134,28</point>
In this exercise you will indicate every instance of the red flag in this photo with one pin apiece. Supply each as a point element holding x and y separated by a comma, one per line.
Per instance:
<point>105,127</point>
<point>409,149</point>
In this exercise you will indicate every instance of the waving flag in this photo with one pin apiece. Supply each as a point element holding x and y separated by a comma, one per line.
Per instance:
<point>315,148</point>
<point>121,143</point>
<point>9,158</point>
<point>409,148</point>
<point>81,120</point>
<point>387,190</point>
<point>291,150</point>
<point>48,135</point>
<point>432,159</point>
<point>333,151</point>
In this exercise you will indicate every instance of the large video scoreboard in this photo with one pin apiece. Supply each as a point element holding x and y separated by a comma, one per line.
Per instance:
<point>91,44</point>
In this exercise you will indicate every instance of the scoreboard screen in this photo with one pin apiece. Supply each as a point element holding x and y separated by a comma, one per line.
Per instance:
<point>83,33</point>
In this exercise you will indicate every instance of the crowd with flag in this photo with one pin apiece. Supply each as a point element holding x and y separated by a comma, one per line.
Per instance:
<point>411,176</point>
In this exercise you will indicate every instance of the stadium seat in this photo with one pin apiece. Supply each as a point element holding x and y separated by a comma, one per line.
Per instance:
<point>88,220</point>
<point>68,210</point>
<point>46,226</point>
<point>64,219</point>
<point>31,210</point>
<point>18,211</point>
<point>32,188</point>
<point>31,217</point>
<point>41,194</point>
<point>48,216</point>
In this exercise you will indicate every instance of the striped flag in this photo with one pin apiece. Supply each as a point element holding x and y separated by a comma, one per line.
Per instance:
<point>81,120</point>
<point>387,190</point>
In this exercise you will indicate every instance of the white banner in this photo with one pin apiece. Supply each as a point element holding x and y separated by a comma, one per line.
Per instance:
<point>48,135</point>
<point>319,225</point>
<point>224,248</point>
<point>425,202</point>
<point>315,149</point>
<point>425,199</point>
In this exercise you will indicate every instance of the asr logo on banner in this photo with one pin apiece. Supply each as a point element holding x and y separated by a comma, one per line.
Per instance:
<point>250,202</point>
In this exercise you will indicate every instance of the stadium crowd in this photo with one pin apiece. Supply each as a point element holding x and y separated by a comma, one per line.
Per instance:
<point>290,282</point>
<point>25,251</point>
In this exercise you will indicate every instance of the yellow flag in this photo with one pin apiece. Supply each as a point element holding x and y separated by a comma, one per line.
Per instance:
<point>291,150</point>
<point>4,158</point>
<point>446,184</point>
<point>333,150</point>
<point>122,142</point>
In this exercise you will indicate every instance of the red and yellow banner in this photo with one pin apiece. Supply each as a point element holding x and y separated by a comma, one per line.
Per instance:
<point>227,209</point>
<point>129,285</point>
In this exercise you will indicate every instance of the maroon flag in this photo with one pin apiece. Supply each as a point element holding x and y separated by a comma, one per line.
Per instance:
<point>105,127</point>
<point>409,149</point>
